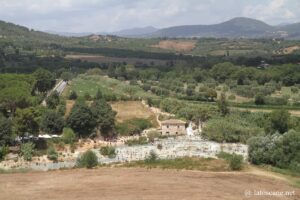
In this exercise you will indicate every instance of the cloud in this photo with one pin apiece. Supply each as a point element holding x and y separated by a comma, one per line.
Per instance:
<point>271,11</point>
<point>113,15</point>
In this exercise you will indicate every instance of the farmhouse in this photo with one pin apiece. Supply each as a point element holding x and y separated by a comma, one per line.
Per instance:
<point>173,127</point>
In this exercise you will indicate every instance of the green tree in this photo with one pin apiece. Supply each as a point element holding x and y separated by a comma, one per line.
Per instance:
<point>68,136</point>
<point>27,151</point>
<point>105,117</point>
<point>15,97</point>
<point>27,121</point>
<point>53,100</point>
<point>98,95</point>
<point>52,122</point>
<point>73,95</point>
<point>5,131</point>
<point>223,105</point>
<point>279,120</point>
<point>44,80</point>
<point>259,99</point>
<point>66,76</point>
<point>81,120</point>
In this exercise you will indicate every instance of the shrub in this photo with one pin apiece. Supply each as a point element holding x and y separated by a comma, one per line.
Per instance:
<point>52,154</point>
<point>159,146</point>
<point>94,71</point>
<point>88,159</point>
<point>294,90</point>
<point>3,152</point>
<point>259,99</point>
<point>73,95</point>
<point>140,141</point>
<point>87,96</point>
<point>27,150</point>
<point>152,135</point>
<point>108,151</point>
<point>231,97</point>
<point>152,157</point>
<point>236,162</point>
<point>133,126</point>
<point>68,136</point>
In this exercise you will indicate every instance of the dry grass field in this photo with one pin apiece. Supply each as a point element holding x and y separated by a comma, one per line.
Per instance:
<point>138,183</point>
<point>127,110</point>
<point>177,45</point>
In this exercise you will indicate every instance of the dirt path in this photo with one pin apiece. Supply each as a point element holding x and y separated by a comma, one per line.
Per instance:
<point>137,183</point>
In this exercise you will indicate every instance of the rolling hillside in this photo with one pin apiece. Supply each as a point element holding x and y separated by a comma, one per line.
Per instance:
<point>235,28</point>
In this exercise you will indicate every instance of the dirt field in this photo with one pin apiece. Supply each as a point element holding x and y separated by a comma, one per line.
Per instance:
<point>290,50</point>
<point>137,183</point>
<point>177,45</point>
<point>131,109</point>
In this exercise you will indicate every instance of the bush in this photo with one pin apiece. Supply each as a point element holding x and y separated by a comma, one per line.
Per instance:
<point>231,97</point>
<point>294,90</point>
<point>140,141</point>
<point>133,126</point>
<point>236,162</point>
<point>73,95</point>
<point>87,96</point>
<point>68,136</point>
<point>27,151</point>
<point>159,146</point>
<point>259,99</point>
<point>52,154</point>
<point>108,151</point>
<point>152,135</point>
<point>88,159</point>
<point>3,152</point>
<point>152,157</point>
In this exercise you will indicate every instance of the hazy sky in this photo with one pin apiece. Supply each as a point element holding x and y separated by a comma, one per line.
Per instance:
<point>112,15</point>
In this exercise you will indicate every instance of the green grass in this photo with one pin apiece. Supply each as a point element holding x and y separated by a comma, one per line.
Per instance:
<point>292,176</point>
<point>187,163</point>
<point>11,171</point>
<point>108,86</point>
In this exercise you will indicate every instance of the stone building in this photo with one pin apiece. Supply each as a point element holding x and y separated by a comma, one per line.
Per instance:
<point>173,127</point>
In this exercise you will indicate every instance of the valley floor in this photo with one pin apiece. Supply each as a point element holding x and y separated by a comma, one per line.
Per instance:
<point>139,183</point>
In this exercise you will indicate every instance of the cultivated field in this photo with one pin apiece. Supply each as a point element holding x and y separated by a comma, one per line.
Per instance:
<point>177,45</point>
<point>137,183</point>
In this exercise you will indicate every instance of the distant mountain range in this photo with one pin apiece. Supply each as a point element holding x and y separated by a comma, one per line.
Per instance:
<point>240,27</point>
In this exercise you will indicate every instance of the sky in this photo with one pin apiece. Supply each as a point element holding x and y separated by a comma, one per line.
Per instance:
<point>113,15</point>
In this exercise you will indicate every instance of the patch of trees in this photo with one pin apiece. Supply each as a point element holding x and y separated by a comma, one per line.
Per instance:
<point>278,150</point>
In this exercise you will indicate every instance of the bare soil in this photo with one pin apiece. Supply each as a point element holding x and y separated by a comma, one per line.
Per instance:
<point>290,50</point>
<point>137,183</point>
<point>177,45</point>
